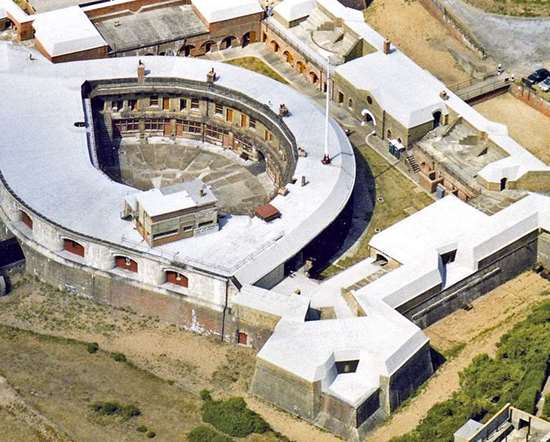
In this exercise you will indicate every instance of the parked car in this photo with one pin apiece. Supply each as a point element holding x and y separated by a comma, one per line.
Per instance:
<point>537,76</point>
<point>545,85</point>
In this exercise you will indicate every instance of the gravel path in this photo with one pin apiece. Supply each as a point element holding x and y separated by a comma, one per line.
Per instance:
<point>518,43</point>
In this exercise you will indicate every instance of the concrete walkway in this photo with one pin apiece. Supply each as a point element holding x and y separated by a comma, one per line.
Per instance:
<point>520,44</point>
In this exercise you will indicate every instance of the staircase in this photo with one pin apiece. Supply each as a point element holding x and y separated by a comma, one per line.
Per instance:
<point>412,162</point>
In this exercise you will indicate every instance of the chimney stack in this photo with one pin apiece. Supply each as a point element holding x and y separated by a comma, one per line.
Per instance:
<point>387,46</point>
<point>141,72</point>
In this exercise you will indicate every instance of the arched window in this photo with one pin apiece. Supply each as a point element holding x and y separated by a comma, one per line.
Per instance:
<point>388,134</point>
<point>73,247</point>
<point>350,103</point>
<point>176,278</point>
<point>26,219</point>
<point>125,263</point>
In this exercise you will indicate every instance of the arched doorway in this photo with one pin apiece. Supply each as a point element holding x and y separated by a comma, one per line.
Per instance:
<point>248,37</point>
<point>274,46</point>
<point>227,42</point>
<point>367,118</point>
<point>503,182</point>
<point>313,77</point>
<point>185,51</point>
<point>208,46</point>
<point>288,57</point>
<point>437,118</point>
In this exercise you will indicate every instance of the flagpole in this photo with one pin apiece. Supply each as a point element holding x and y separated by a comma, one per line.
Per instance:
<point>326,157</point>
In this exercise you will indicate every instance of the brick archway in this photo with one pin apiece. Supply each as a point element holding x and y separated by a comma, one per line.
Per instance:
<point>288,57</point>
<point>274,46</point>
<point>247,38</point>
<point>227,42</point>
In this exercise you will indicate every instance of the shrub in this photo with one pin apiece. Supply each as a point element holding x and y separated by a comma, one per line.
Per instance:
<point>205,395</point>
<point>151,434</point>
<point>233,417</point>
<point>546,410</point>
<point>92,347</point>
<point>114,408</point>
<point>206,434</point>
<point>119,357</point>
<point>142,429</point>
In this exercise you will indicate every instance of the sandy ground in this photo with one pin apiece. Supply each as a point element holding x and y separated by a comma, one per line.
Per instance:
<point>408,25</point>
<point>191,361</point>
<point>525,124</point>
<point>480,329</point>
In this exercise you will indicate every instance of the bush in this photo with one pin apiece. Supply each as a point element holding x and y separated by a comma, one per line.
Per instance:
<point>546,410</point>
<point>114,408</point>
<point>119,357</point>
<point>205,395</point>
<point>92,347</point>
<point>206,434</point>
<point>233,417</point>
<point>141,429</point>
<point>151,434</point>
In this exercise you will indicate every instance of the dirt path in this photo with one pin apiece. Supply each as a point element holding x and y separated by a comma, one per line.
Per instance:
<point>480,329</point>
<point>35,423</point>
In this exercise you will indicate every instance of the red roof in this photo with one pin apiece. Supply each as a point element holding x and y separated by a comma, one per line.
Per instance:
<point>267,212</point>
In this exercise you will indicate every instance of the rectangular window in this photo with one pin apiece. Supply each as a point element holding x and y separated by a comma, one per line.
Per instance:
<point>229,115</point>
<point>166,103</point>
<point>252,123</point>
<point>268,136</point>
<point>219,109</point>
<point>154,100</point>
<point>194,103</point>
<point>132,104</point>
<point>244,120</point>
<point>194,127</point>
<point>183,103</point>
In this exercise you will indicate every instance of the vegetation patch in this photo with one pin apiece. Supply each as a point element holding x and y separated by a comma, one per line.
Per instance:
<point>115,409</point>
<point>546,410</point>
<point>233,417</point>
<point>257,65</point>
<point>516,374</point>
<point>203,433</point>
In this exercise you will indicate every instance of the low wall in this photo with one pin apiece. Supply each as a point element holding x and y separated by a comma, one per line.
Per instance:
<point>530,97</point>
<point>493,271</point>
<point>286,391</point>
<point>454,25</point>
<point>118,291</point>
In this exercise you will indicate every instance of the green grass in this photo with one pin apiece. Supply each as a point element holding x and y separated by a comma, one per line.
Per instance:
<point>257,65</point>
<point>398,192</point>
<point>516,374</point>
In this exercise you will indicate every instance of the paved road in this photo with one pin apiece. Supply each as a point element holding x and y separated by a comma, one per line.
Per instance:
<point>521,44</point>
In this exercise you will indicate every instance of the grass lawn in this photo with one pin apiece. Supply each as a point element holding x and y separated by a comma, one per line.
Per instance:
<point>400,198</point>
<point>257,65</point>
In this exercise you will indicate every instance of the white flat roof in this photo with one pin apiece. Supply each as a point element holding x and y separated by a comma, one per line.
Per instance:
<point>291,10</point>
<point>407,92</point>
<point>86,201</point>
<point>292,307</point>
<point>66,31</point>
<point>218,10</point>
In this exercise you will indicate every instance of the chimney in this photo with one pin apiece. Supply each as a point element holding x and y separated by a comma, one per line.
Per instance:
<point>387,46</point>
<point>141,72</point>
